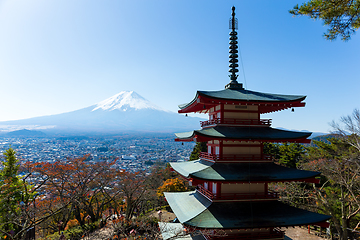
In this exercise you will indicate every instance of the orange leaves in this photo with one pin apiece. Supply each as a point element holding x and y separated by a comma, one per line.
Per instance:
<point>73,187</point>
<point>171,185</point>
<point>72,223</point>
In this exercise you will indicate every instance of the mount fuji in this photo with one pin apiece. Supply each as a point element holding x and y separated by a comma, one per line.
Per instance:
<point>126,111</point>
<point>125,101</point>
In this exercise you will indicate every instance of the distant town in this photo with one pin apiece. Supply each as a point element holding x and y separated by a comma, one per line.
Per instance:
<point>133,153</point>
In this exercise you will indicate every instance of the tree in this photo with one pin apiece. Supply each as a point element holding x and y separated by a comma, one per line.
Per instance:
<point>337,194</point>
<point>76,189</point>
<point>158,176</point>
<point>15,195</point>
<point>338,159</point>
<point>92,188</point>
<point>134,190</point>
<point>154,180</point>
<point>342,16</point>
<point>199,147</point>
<point>290,154</point>
<point>349,130</point>
<point>171,185</point>
<point>287,154</point>
<point>272,149</point>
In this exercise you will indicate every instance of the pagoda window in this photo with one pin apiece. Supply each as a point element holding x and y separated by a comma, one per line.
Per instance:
<point>214,188</point>
<point>209,149</point>
<point>217,150</point>
<point>206,185</point>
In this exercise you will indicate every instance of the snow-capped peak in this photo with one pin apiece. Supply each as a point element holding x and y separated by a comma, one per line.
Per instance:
<point>124,101</point>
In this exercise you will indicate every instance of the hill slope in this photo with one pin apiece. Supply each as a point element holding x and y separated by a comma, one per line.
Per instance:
<point>125,111</point>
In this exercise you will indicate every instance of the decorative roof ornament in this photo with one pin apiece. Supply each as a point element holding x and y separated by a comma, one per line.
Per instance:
<point>233,62</point>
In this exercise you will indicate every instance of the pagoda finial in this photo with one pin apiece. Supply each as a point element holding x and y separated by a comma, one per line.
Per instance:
<point>233,53</point>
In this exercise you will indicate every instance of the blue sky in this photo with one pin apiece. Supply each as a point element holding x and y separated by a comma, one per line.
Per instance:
<point>62,55</point>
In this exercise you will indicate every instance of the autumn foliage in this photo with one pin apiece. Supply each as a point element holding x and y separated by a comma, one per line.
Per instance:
<point>76,193</point>
<point>171,185</point>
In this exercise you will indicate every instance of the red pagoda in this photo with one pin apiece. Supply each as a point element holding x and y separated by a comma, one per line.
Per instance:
<point>232,199</point>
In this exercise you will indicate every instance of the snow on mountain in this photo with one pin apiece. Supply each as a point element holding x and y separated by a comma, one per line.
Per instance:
<point>125,100</point>
<point>125,111</point>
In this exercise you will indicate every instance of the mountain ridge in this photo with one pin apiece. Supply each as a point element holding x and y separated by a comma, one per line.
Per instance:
<point>125,111</point>
<point>124,100</point>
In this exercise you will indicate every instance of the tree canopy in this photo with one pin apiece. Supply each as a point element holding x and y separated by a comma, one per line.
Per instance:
<point>15,198</point>
<point>199,147</point>
<point>171,185</point>
<point>287,154</point>
<point>337,194</point>
<point>342,16</point>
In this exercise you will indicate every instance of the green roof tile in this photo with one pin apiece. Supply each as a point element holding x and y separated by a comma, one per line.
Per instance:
<point>243,215</point>
<point>245,95</point>
<point>190,206</point>
<point>250,133</point>
<point>240,171</point>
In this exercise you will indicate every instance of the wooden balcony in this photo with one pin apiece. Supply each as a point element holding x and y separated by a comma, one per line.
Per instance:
<point>205,192</point>
<point>244,122</point>
<point>208,156</point>
<point>230,196</point>
<point>237,196</point>
<point>234,157</point>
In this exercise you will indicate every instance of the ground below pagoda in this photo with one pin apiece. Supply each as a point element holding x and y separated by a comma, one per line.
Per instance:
<point>298,233</point>
<point>295,233</point>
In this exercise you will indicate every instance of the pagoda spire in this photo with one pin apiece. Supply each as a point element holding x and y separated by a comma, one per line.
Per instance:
<point>233,62</point>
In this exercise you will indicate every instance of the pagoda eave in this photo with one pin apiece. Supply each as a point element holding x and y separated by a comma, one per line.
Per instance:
<point>200,170</point>
<point>202,138</point>
<point>253,134</point>
<point>202,104</point>
<point>196,181</point>
<point>193,209</point>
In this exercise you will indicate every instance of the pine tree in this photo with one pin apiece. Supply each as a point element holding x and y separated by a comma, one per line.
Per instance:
<point>14,198</point>
<point>199,147</point>
<point>342,16</point>
<point>10,193</point>
<point>286,154</point>
<point>290,154</point>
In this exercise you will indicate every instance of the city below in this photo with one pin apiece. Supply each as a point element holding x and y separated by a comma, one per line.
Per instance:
<point>133,153</point>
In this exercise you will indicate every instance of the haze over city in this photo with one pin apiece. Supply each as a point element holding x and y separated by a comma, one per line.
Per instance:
<point>59,56</point>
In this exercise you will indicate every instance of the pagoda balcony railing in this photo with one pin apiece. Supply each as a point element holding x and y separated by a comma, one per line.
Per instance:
<point>236,196</point>
<point>208,156</point>
<point>234,157</point>
<point>205,192</point>
<point>265,122</point>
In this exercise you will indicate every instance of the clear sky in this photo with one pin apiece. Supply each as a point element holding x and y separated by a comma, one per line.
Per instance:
<point>62,55</point>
